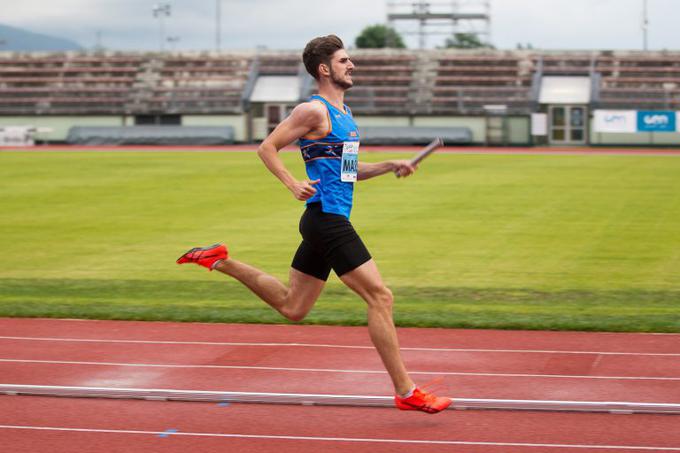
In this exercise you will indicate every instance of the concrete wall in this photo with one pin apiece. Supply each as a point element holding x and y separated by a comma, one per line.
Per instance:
<point>476,124</point>
<point>672,139</point>
<point>238,122</point>
<point>634,139</point>
<point>518,127</point>
<point>519,130</point>
<point>61,124</point>
<point>368,121</point>
<point>259,128</point>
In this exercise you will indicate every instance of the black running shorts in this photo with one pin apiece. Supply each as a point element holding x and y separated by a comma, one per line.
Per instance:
<point>328,242</point>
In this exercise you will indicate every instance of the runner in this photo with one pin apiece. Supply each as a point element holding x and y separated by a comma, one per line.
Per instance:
<point>329,141</point>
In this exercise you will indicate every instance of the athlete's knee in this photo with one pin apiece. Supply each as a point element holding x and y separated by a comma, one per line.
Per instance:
<point>294,316</point>
<point>382,298</point>
<point>295,313</point>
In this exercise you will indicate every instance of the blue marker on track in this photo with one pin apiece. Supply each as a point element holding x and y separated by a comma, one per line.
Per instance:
<point>167,433</point>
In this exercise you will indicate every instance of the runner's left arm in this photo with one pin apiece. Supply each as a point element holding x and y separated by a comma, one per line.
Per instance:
<point>401,168</point>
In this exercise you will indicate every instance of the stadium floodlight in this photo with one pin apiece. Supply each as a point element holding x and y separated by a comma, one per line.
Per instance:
<point>160,12</point>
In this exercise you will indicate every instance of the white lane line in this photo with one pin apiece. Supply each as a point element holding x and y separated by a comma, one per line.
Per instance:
<point>332,370</point>
<point>334,346</point>
<point>306,399</point>
<point>341,439</point>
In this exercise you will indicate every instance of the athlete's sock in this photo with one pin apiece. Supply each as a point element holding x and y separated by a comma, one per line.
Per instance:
<point>409,393</point>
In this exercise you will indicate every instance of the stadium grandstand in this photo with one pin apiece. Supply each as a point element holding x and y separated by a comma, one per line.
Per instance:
<point>517,97</point>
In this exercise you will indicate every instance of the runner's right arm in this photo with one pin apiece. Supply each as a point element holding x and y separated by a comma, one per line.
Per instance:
<point>306,118</point>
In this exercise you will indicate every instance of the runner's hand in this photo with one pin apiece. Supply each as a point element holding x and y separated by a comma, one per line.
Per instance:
<point>304,190</point>
<point>403,168</point>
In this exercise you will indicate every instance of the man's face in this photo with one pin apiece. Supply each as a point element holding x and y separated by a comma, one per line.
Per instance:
<point>341,70</point>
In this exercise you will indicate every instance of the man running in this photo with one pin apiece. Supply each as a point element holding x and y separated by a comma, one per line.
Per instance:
<point>329,141</point>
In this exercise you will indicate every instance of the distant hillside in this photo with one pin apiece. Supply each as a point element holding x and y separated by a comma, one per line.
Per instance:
<point>12,38</point>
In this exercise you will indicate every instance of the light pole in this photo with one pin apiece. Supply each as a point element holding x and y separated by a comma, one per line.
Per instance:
<point>173,40</point>
<point>645,25</point>
<point>160,12</point>
<point>218,25</point>
<point>98,47</point>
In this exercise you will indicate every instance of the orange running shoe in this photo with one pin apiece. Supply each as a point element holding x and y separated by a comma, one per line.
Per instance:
<point>205,256</point>
<point>422,401</point>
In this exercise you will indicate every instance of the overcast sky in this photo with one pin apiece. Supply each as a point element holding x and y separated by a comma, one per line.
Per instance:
<point>289,24</point>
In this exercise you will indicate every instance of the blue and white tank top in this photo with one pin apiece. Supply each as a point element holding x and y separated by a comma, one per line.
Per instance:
<point>333,160</point>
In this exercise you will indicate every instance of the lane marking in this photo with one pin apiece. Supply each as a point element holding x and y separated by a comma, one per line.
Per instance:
<point>345,439</point>
<point>335,346</point>
<point>150,394</point>
<point>332,370</point>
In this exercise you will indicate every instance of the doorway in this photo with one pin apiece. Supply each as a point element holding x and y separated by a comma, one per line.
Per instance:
<point>275,113</point>
<point>568,124</point>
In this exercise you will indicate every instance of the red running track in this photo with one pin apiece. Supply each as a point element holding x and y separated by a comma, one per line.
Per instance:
<point>89,425</point>
<point>335,360</point>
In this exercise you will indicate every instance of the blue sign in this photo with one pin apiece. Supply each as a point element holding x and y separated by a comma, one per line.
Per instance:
<point>655,121</point>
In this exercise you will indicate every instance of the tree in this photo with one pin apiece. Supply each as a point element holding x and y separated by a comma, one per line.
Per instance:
<point>379,37</point>
<point>466,41</point>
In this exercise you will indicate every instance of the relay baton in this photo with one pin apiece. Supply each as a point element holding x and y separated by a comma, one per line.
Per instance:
<point>429,149</point>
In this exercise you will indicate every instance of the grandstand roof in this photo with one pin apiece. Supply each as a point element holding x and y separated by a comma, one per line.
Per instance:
<point>276,89</point>
<point>565,90</point>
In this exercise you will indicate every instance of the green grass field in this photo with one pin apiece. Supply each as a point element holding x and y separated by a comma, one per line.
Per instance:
<point>485,241</point>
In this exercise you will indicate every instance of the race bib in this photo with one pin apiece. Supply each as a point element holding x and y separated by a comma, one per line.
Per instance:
<point>350,162</point>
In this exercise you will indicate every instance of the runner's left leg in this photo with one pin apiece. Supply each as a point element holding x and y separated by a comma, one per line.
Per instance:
<point>293,301</point>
